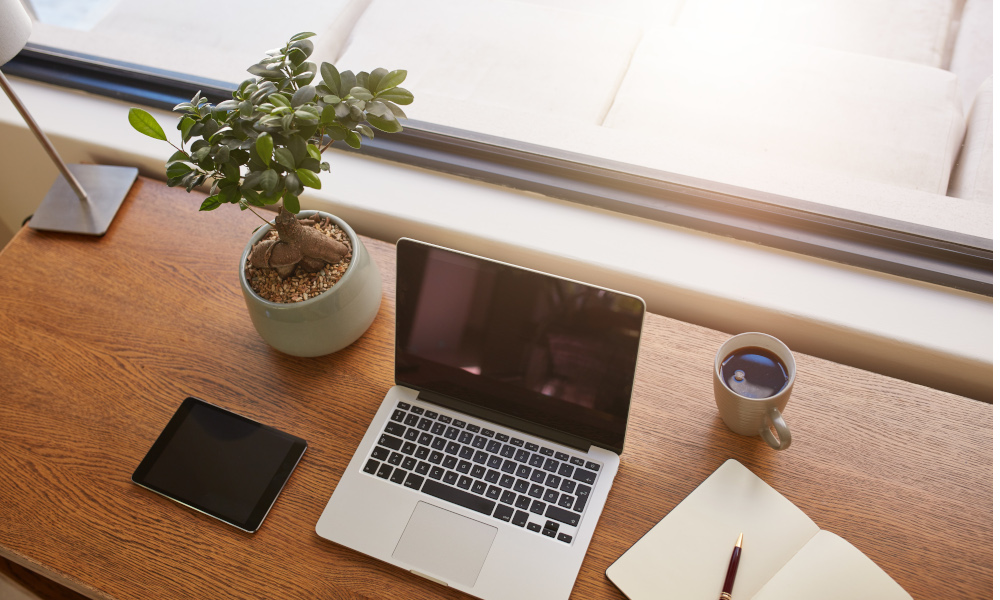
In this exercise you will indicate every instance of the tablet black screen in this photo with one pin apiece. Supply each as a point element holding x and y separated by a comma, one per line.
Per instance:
<point>220,463</point>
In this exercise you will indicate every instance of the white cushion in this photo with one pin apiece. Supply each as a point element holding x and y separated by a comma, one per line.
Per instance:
<point>910,30</point>
<point>972,177</point>
<point>972,59</point>
<point>862,117</point>
<point>495,67</point>
<point>191,37</point>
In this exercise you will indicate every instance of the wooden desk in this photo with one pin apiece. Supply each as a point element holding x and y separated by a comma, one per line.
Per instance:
<point>100,340</point>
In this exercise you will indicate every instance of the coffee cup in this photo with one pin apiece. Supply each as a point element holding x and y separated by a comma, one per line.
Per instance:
<point>754,374</point>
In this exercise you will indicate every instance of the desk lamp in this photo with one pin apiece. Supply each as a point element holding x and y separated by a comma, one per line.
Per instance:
<point>85,198</point>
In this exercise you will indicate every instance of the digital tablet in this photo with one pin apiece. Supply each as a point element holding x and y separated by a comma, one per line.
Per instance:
<point>220,463</point>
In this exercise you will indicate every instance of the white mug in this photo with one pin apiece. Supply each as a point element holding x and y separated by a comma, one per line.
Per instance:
<point>755,416</point>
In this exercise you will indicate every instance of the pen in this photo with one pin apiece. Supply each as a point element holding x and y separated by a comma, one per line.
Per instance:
<point>734,562</point>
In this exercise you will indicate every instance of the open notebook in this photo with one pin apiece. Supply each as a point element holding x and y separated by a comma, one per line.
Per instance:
<point>785,555</point>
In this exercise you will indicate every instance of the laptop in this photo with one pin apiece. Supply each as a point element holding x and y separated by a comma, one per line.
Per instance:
<point>488,463</point>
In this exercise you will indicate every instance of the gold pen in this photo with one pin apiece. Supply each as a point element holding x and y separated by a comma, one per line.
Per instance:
<point>734,562</point>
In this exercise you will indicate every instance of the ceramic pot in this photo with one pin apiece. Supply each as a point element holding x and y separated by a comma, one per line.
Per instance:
<point>325,323</point>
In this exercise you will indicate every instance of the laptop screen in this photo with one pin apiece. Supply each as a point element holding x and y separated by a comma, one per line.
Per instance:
<point>550,351</point>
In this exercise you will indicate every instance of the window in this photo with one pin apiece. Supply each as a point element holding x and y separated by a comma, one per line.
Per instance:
<point>832,128</point>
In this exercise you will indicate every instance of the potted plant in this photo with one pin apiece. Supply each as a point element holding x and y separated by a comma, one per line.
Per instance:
<point>310,286</point>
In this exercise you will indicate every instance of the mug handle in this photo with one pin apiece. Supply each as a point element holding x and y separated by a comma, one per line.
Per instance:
<point>784,439</point>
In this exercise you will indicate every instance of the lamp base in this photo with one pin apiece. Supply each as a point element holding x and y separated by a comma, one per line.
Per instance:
<point>62,210</point>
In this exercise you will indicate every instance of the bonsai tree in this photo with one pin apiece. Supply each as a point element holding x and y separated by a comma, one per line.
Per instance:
<point>266,144</point>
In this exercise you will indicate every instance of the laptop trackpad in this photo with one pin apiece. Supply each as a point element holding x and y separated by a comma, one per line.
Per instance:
<point>446,545</point>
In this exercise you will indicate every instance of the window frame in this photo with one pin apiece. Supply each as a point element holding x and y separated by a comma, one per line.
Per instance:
<point>872,242</point>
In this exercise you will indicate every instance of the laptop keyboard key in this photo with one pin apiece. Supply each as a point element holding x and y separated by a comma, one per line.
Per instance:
<point>583,490</point>
<point>488,432</point>
<point>521,486</point>
<point>436,457</point>
<point>413,481</point>
<point>566,501</point>
<point>480,457</point>
<point>551,496</point>
<point>504,513</point>
<point>492,476</point>
<point>551,465</point>
<point>408,448</point>
<point>520,518</point>
<point>395,428</point>
<point>567,486</point>
<point>397,476</point>
<point>449,462</point>
<point>524,471</point>
<point>422,468</point>
<point>546,451</point>
<point>395,458</point>
<point>390,442</point>
<point>549,533</point>
<point>453,448</point>
<point>534,527</point>
<point>553,481</point>
<point>585,476</point>
<point>538,507</point>
<point>509,466</point>
<point>465,438</point>
<point>466,452</point>
<point>563,537</point>
<point>450,494</point>
<point>451,433</point>
<point>552,525</point>
<point>412,434</point>
<point>409,462</point>
<point>450,477</point>
<point>522,456</point>
<point>507,451</point>
<point>576,460</point>
<point>507,481</point>
<point>439,443</point>
<point>562,456</point>
<point>371,467</point>
<point>424,424</point>
<point>517,442</point>
<point>431,415</point>
<point>425,439</point>
<point>464,467</point>
<point>530,446</point>
<point>438,428</point>
<point>562,515</point>
<point>537,460</point>
<point>464,482</point>
<point>417,410</point>
<point>523,502</point>
<point>403,405</point>
<point>493,447</point>
<point>478,471</point>
<point>472,428</point>
<point>508,497</point>
<point>593,466</point>
<point>380,453</point>
<point>536,491</point>
<point>581,501</point>
<point>566,469</point>
<point>479,442</point>
<point>444,419</point>
<point>478,487</point>
<point>538,476</point>
<point>422,452</point>
<point>494,462</point>
<point>437,472</point>
<point>503,437</point>
<point>493,492</point>
<point>411,419</point>
<point>384,471</point>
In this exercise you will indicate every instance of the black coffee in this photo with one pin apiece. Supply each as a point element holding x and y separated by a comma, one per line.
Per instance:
<point>754,372</point>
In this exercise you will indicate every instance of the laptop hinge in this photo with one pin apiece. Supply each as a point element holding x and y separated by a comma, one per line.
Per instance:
<point>500,418</point>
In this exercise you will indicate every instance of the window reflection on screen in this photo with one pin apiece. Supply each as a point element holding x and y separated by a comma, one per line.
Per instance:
<point>521,342</point>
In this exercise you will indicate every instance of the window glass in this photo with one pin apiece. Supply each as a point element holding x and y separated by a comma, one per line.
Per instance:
<point>882,107</point>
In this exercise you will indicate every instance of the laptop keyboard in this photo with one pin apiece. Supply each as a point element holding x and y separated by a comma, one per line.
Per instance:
<point>476,466</point>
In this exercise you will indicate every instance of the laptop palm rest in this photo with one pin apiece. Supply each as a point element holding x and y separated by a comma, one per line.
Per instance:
<point>444,544</point>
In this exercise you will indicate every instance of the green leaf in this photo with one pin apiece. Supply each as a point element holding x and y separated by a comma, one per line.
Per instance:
<point>291,202</point>
<point>314,152</point>
<point>347,81</point>
<point>292,183</point>
<point>331,77</point>
<point>375,77</point>
<point>178,168</point>
<point>308,178</point>
<point>144,123</point>
<point>353,139</point>
<point>261,71</point>
<point>268,181</point>
<point>303,94</point>
<point>279,100</point>
<point>285,158</point>
<point>299,149</point>
<point>397,95</point>
<point>391,80</point>
<point>301,36</point>
<point>331,99</point>
<point>384,124</point>
<point>396,111</point>
<point>211,203</point>
<point>366,131</point>
<point>185,126</point>
<point>361,93</point>
<point>265,145</point>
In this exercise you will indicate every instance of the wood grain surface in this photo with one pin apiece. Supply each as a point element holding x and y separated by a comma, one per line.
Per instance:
<point>101,339</point>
